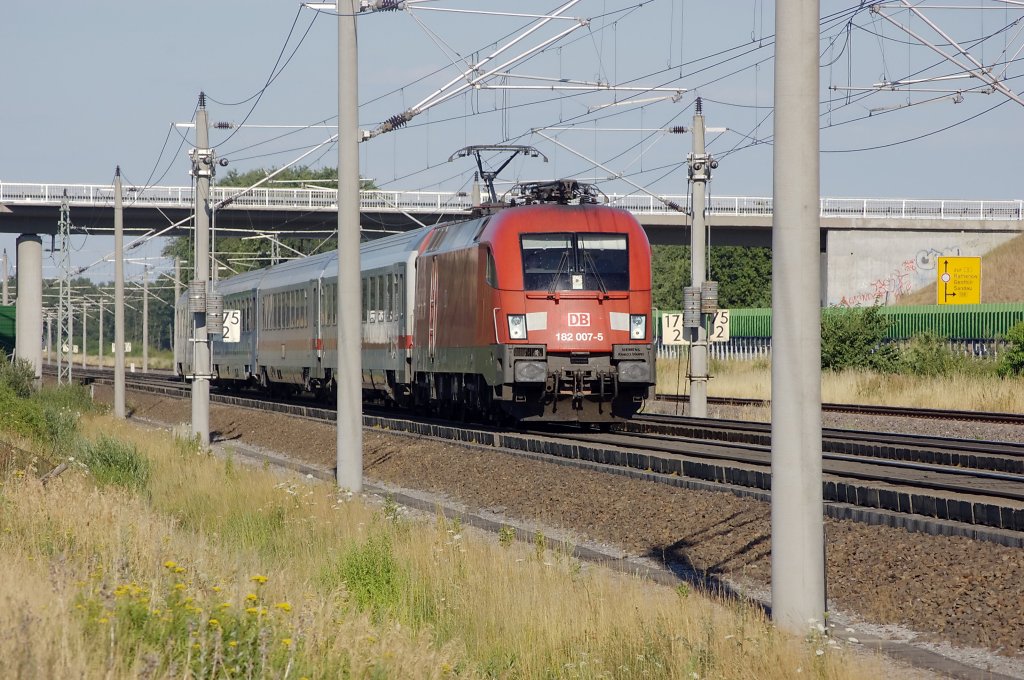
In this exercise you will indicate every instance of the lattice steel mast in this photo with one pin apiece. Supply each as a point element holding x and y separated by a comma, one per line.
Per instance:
<point>64,339</point>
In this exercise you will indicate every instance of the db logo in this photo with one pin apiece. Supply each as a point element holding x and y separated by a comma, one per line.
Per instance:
<point>579,319</point>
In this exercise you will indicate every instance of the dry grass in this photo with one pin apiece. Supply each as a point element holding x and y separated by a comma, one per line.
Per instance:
<point>214,569</point>
<point>160,361</point>
<point>752,380</point>
<point>1002,271</point>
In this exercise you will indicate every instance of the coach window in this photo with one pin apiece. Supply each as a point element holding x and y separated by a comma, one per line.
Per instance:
<point>332,309</point>
<point>391,297</point>
<point>380,297</point>
<point>373,298</point>
<point>366,298</point>
<point>399,296</point>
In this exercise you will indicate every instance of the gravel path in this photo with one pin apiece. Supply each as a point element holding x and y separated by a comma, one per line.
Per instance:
<point>948,590</point>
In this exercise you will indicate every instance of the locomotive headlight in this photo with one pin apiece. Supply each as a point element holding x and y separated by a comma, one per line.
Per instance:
<point>634,372</point>
<point>517,326</point>
<point>531,371</point>
<point>637,326</point>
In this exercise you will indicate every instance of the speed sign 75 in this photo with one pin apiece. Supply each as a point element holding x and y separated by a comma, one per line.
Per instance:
<point>232,325</point>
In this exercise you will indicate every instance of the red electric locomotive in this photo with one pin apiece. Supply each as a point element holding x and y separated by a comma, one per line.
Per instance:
<point>542,310</point>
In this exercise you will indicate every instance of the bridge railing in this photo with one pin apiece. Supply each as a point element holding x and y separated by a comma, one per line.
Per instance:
<point>453,203</point>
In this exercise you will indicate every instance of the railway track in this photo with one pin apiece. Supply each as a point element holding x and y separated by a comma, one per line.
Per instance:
<point>933,484</point>
<point>869,410</point>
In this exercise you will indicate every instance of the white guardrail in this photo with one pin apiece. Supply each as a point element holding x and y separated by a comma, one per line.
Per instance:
<point>439,201</point>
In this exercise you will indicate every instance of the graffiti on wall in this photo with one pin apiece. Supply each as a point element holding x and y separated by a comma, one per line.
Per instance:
<point>912,273</point>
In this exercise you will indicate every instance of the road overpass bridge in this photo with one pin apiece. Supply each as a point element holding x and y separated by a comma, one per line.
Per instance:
<point>872,248</point>
<point>35,208</point>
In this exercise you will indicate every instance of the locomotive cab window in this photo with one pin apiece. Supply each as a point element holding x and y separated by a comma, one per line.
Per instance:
<point>557,261</point>
<point>492,270</point>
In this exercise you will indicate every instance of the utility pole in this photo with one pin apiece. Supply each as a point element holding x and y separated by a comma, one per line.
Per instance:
<point>145,319</point>
<point>798,544</point>
<point>174,321</point>
<point>100,353</point>
<point>85,347</point>
<point>349,374</point>
<point>119,410</point>
<point>64,312</point>
<point>49,337</point>
<point>701,297</point>
<point>7,299</point>
<point>71,337</point>
<point>202,170</point>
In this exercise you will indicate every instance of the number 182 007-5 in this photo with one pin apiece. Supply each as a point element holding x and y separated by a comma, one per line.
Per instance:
<point>579,337</point>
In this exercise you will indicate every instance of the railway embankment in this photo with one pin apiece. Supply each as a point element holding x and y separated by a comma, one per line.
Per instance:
<point>941,591</point>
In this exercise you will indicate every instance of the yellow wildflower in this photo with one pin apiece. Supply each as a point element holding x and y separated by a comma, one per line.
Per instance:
<point>216,589</point>
<point>283,606</point>
<point>170,564</point>
<point>179,586</point>
<point>287,642</point>
<point>213,623</point>
<point>233,643</point>
<point>251,597</point>
<point>179,570</point>
<point>103,620</point>
<point>252,610</point>
<point>259,578</point>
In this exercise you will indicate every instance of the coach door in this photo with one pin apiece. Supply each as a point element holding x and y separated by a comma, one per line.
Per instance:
<point>317,316</point>
<point>394,325</point>
<point>432,310</point>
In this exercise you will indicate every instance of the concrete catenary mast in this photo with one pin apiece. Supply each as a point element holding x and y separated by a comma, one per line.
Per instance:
<point>798,544</point>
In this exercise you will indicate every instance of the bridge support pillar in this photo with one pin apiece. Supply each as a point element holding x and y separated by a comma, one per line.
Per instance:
<point>29,315</point>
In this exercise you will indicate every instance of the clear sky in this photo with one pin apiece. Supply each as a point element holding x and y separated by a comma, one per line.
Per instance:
<point>89,86</point>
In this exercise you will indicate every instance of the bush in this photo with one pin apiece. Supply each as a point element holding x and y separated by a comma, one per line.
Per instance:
<point>75,398</point>
<point>855,338</point>
<point>21,416</point>
<point>370,573</point>
<point>117,463</point>
<point>18,376</point>
<point>930,355</point>
<point>1012,361</point>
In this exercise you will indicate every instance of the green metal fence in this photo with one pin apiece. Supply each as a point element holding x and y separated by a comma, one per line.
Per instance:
<point>7,321</point>
<point>961,322</point>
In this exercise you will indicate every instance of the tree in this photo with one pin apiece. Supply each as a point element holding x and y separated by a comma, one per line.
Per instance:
<point>855,338</point>
<point>241,255</point>
<point>744,275</point>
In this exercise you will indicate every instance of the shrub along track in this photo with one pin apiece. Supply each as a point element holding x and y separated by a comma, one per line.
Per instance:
<point>949,588</point>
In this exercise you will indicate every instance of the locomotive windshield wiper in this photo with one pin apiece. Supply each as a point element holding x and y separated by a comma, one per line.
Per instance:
<point>587,257</point>
<point>563,263</point>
